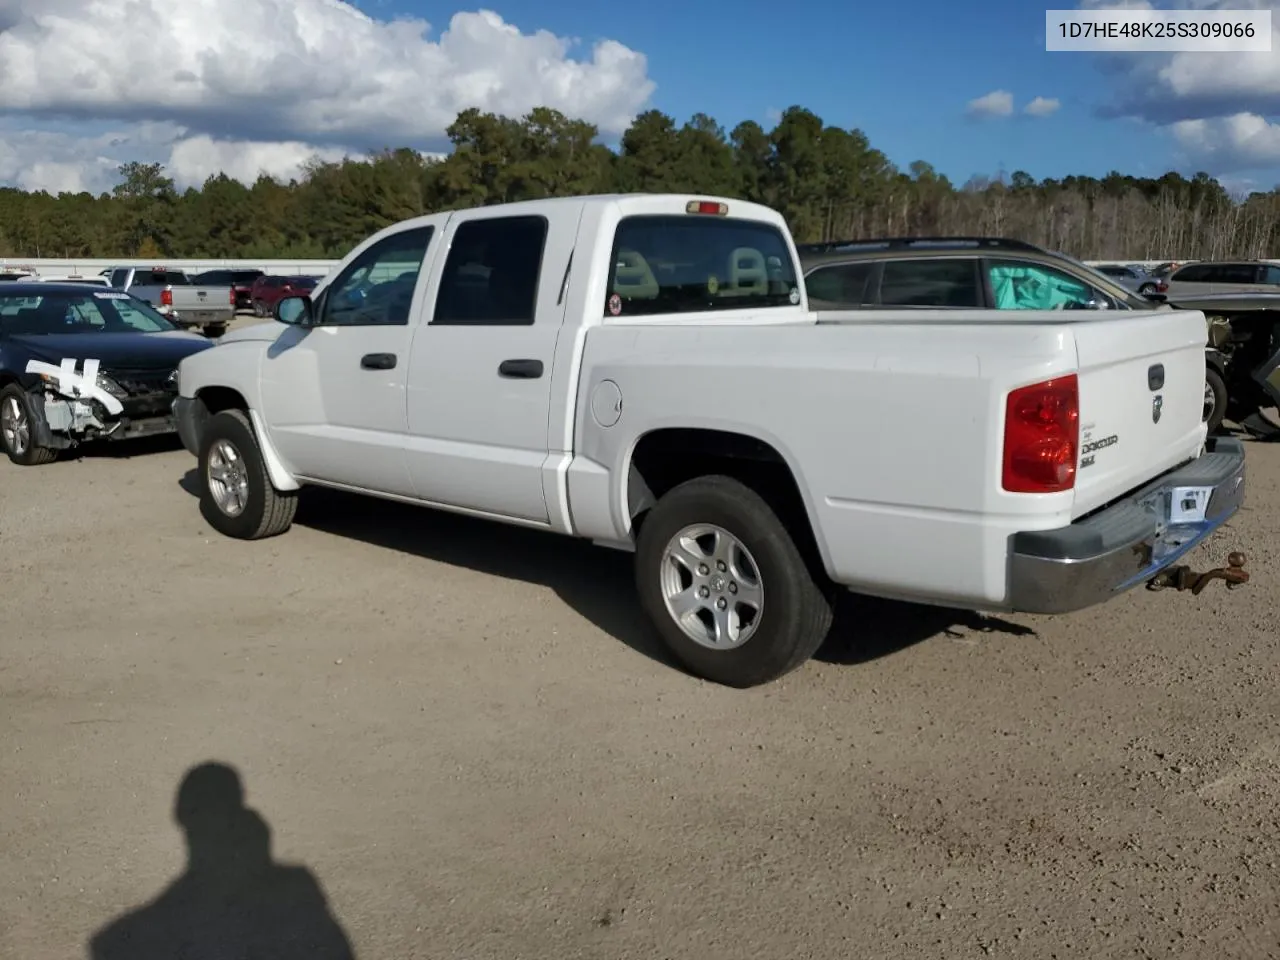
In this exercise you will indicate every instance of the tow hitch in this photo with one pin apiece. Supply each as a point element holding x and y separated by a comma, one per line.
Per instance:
<point>1184,578</point>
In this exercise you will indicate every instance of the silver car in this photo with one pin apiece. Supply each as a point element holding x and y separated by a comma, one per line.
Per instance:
<point>1131,278</point>
<point>1224,276</point>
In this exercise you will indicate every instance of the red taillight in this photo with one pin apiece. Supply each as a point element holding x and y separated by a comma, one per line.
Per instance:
<point>707,206</point>
<point>232,297</point>
<point>1042,436</point>
<point>166,297</point>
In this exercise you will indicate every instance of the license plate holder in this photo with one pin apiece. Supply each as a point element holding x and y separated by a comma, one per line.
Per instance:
<point>1188,504</point>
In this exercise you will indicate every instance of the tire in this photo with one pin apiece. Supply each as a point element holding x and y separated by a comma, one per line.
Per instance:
<point>1217,410</point>
<point>215,330</point>
<point>17,432</point>
<point>259,310</point>
<point>1146,289</point>
<point>264,511</point>
<point>795,612</point>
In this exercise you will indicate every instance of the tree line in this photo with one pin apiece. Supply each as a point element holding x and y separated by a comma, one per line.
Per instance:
<point>829,182</point>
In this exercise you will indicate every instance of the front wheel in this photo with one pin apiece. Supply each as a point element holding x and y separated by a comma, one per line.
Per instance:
<point>1215,400</point>
<point>726,586</point>
<point>17,433</point>
<point>236,495</point>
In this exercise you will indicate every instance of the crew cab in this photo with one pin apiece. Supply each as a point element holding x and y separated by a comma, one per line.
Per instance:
<point>645,371</point>
<point>172,292</point>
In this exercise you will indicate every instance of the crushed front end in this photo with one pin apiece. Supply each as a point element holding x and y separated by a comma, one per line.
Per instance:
<point>125,403</point>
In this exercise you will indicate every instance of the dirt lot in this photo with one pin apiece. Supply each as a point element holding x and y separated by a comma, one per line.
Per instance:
<point>463,733</point>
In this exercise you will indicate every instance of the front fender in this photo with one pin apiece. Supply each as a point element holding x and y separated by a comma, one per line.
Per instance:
<point>212,376</point>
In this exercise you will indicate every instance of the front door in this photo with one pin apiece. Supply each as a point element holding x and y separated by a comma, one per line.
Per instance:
<point>334,391</point>
<point>479,394</point>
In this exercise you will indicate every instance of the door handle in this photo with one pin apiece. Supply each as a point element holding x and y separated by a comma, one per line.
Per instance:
<point>378,361</point>
<point>520,369</point>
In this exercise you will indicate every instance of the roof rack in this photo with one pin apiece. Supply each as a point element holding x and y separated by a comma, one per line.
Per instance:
<point>908,243</point>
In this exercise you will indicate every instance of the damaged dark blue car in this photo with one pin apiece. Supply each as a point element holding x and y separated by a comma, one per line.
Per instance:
<point>80,364</point>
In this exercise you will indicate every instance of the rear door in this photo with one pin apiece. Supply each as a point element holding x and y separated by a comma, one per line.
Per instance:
<point>479,375</point>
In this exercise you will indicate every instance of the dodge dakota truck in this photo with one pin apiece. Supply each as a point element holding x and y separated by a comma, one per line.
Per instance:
<point>172,292</point>
<point>645,371</point>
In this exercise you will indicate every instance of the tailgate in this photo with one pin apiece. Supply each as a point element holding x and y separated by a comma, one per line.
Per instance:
<point>1141,399</point>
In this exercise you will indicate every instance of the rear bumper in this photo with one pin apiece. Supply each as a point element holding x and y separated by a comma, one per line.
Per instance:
<point>1127,543</point>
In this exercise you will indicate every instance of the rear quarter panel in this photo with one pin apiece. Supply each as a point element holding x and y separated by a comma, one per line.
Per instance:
<point>892,431</point>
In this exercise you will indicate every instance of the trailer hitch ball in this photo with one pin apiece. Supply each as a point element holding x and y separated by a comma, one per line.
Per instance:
<point>1184,578</point>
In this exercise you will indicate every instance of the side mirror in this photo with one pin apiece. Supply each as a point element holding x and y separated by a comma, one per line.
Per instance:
<point>295,311</point>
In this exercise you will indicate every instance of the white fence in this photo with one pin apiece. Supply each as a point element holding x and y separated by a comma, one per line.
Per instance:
<point>50,267</point>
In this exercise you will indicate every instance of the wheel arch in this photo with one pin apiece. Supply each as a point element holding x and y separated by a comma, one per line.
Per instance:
<point>216,398</point>
<point>664,456</point>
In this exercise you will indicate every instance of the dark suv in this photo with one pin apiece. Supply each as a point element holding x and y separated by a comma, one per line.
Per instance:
<point>972,273</point>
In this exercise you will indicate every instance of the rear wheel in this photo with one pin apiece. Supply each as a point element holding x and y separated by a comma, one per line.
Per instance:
<point>258,309</point>
<point>17,433</point>
<point>236,495</point>
<point>726,586</point>
<point>1215,399</point>
<point>215,330</point>
<point>1147,289</point>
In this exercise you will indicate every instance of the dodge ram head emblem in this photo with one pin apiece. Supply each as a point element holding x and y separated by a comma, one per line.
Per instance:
<point>1157,405</point>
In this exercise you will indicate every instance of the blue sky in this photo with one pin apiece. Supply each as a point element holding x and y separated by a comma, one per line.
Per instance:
<point>260,86</point>
<point>902,72</point>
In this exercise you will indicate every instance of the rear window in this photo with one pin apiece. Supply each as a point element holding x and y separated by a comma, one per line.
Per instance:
<point>839,283</point>
<point>688,264</point>
<point>930,283</point>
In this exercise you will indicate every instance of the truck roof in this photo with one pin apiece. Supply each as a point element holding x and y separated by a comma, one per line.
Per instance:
<point>629,204</point>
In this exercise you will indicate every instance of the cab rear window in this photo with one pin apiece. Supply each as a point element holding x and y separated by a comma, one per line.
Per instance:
<point>686,264</point>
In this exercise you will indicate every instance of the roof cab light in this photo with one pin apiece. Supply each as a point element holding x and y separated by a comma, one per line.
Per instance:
<point>708,207</point>
<point>1042,437</point>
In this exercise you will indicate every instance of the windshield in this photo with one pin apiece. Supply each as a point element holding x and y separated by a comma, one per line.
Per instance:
<point>106,311</point>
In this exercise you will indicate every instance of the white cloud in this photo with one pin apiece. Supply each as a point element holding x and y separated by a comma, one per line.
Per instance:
<point>256,84</point>
<point>194,159</point>
<point>1221,108</point>
<point>997,103</point>
<point>1240,142</point>
<point>1042,107</point>
<point>57,160</point>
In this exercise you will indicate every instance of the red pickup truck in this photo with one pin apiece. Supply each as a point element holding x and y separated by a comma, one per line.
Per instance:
<point>268,290</point>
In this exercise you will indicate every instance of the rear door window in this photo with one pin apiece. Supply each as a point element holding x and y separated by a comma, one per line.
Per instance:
<point>692,264</point>
<point>944,282</point>
<point>1272,274</point>
<point>1237,273</point>
<point>844,283</point>
<point>492,272</point>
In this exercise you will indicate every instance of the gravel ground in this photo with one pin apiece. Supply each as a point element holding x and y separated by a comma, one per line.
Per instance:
<point>465,746</point>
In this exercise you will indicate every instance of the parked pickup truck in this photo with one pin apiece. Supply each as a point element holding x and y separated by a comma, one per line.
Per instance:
<point>645,371</point>
<point>210,308</point>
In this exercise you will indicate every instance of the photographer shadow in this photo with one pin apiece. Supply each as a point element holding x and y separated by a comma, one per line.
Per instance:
<point>233,900</point>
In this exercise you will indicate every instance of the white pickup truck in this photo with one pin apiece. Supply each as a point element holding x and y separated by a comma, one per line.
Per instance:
<point>645,371</point>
